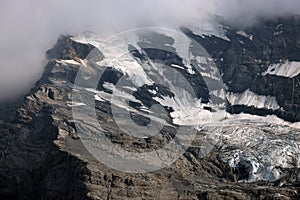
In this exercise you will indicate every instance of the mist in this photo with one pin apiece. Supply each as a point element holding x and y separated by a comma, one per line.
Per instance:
<point>30,27</point>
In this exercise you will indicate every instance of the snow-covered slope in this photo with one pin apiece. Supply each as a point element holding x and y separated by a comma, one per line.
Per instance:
<point>187,108</point>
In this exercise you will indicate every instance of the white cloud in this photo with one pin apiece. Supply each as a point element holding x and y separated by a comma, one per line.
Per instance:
<point>30,27</point>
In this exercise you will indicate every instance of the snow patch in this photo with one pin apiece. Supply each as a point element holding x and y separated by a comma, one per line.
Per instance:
<point>249,98</point>
<point>116,55</point>
<point>98,98</point>
<point>255,119</point>
<point>186,112</point>
<point>286,69</point>
<point>219,93</point>
<point>70,62</point>
<point>209,28</point>
<point>75,104</point>
<point>177,66</point>
<point>244,34</point>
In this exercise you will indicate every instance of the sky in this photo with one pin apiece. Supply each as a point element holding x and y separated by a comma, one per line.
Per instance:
<point>30,27</point>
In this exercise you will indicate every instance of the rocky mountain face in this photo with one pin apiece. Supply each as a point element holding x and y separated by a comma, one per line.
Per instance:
<point>43,156</point>
<point>263,59</point>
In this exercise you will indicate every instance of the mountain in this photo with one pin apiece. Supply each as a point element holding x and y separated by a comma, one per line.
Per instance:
<point>235,115</point>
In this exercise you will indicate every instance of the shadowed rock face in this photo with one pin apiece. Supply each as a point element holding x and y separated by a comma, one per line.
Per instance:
<point>244,58</point>
<point>42,156</point>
